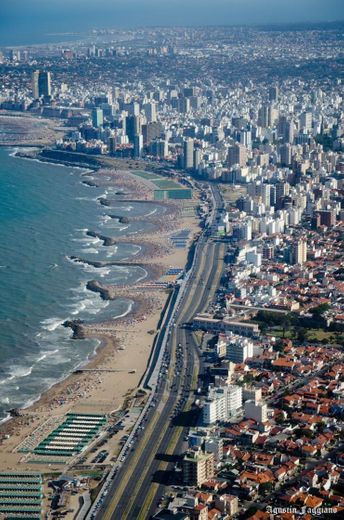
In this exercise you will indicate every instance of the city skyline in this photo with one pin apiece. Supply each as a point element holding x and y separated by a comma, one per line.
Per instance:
<point>79,16</point>
<point>171,269</point>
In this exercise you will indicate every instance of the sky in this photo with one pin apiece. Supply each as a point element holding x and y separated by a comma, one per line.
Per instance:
<point>24,21</point>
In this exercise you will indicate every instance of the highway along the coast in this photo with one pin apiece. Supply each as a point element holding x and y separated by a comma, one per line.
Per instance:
<point>133,494</point>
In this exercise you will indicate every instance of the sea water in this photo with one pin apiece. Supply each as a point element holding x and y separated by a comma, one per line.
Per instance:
<point>45,213</point>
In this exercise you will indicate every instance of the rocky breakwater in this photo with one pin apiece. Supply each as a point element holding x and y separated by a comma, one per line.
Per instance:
<point>95,286</point>
<point>91,184</point>
<point>107,241</point>
<point>104,202</point>
<point>121,220</point>
<point>104,263</point>
<point>77,328</point>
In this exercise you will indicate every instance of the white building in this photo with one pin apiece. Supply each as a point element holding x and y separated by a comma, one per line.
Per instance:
<point>250,393</point>
<point>239,349</point>
<point>214,445</point>
<point>222,404</point>
<point>256,411</point>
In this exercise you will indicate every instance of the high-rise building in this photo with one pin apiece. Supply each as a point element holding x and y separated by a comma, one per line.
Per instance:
<point>138,146</point>
<point>265,194</point>
<point>222,403</point>
<point>285,154</point>
<point>214,445</point>
<point>327,218</point>
<point>15,55</point>
<point>151,131</point>
<point>134,108</point>
<point>306,121</point>
<point>282,189</point>
<point>300,252</point>
<point>267,115</point>
<point>239,349</point>
<point>285,130</point>
<point>264,116</point>
<point>184,105</point>
<point>198,467</point>
<point>256,411</point>
<point>197,158</point>
<point>97,117</point>
<point>150,112</point>
<point>273,93</point>
<point>188,155</point>
<point>41,84</point>
<point>133,127</point>
<point>272,195</point>
<point>112,144</point>
<point>35,87</point>
<point>245,138</point>
<point>237,154</point>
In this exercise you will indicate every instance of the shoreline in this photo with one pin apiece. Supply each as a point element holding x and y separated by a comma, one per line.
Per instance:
<point>142,318</point>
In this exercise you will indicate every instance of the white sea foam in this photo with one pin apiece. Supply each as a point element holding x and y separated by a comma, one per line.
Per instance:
<point>105,218</point>
<point>14,153</point>
<point>5,419</point>
<point>145,274</point>
<point>151,212</point>
<point>91,250</point>
<point>90,199</point>
<point>19,372</point>
<point>51,324</point>
<point>125,208</point>
<point>43,356</point>
<point>111,252</point>
<point>139,248</point>
<point>129,309</point>
<point>101,271</point>
<point>102,195</point>
<point>89,303</point>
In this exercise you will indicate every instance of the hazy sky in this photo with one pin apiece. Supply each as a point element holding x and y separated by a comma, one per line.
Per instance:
<point>30,19</point>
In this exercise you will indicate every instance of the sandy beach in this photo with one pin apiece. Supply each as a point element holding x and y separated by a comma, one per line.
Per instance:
<point>126,342</point>
<point>20,129</point>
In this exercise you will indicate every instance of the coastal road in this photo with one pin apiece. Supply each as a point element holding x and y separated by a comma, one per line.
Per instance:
<point>133,494</point>
<point>154,484</point>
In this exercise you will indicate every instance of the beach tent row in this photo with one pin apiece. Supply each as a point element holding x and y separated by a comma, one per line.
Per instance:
<point>72,436</point>
<point>21,495</point>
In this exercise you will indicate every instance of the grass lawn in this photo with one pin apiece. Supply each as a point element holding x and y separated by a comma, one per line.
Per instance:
<point>158,180</point>
<point>146,175</point>
<point>330,336</point>
<point>166,184</point>
<point>317,335</point>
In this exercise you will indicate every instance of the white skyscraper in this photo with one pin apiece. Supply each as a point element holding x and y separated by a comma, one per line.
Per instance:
<point>150,112</point>
<point>188,154</point>
<point>222,403</point>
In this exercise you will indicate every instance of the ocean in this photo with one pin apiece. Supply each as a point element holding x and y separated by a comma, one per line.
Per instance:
<point>45,212</point>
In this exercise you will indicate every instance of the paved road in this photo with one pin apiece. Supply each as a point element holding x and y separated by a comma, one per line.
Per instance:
<point>133,494</point>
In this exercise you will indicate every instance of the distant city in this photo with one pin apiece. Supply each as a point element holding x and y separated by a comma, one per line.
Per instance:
<point>240,412</point>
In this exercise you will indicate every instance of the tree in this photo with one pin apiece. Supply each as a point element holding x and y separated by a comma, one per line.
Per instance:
<point>248,378</point>
<point>321,426</point>
<point>319,311</point>
<point>263,328</point>
<point>286,323</point>
<point>265,488</point>
<point>301,335</point>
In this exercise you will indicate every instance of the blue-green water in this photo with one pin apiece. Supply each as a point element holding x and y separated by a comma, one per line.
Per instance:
<point>45,211</point>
